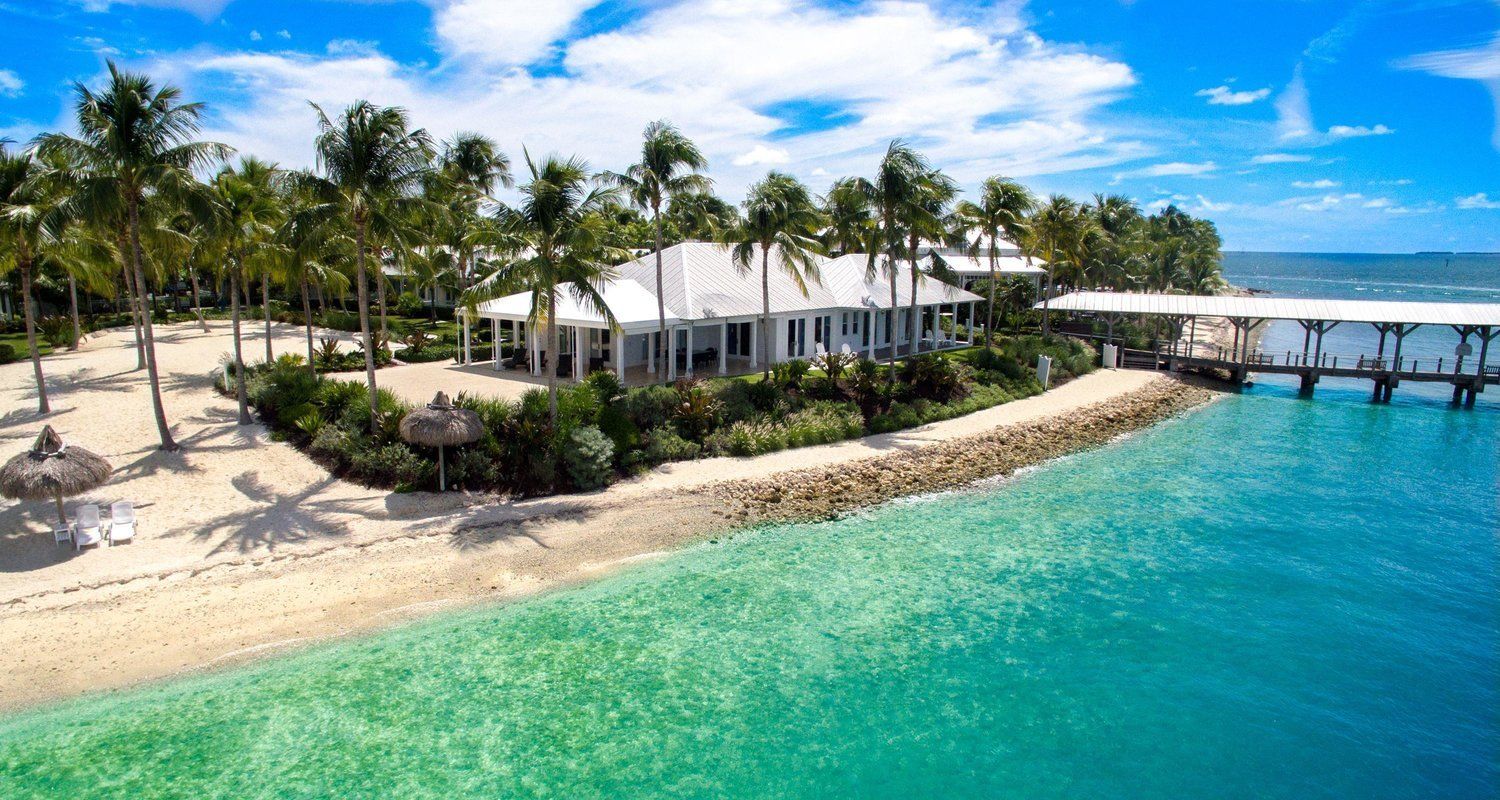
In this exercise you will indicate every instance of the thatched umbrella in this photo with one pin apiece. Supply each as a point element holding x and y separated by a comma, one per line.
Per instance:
<point>441,424</point>
<point>52,470</point>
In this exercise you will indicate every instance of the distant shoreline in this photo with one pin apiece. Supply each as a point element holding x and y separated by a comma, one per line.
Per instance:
<point>1423,253</point>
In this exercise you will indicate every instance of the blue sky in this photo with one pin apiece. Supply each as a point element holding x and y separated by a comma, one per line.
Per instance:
<point>1319,125</point>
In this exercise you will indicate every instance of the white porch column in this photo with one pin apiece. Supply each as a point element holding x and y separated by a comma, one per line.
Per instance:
<point>495,340</point>
<point>577,353</point>
<point>870,328</point>
<point>972,310</point>
<point>468,353</point>
<point>724,348</point>
<point>688,354</point>
<point>651,351</point>
<point>754,348</point>
<point>671,354</point>
<point>617,341</point>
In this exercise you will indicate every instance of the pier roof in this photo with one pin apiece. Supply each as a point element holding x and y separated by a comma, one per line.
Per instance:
<point>1371,311</point>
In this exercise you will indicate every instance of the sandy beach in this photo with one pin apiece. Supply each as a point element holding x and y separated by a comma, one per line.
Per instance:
<point>247,547</point>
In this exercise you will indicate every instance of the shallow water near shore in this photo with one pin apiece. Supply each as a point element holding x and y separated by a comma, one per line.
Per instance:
<point>1270,597</point>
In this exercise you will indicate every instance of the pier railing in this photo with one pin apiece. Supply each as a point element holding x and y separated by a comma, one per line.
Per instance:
<point>1377,364</point>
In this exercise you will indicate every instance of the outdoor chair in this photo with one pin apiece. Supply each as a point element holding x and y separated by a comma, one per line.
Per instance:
<point>121,522</point>
<point>86,528</point>
<point>846,349</point>
<point>62,534</point>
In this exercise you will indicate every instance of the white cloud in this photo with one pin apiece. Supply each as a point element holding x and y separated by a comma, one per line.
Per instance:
<point>1324,203</point>
<point>1478,64</point>
<point>760,154</point>
<point>1192,169</point>
<point>1280,158</point>
<point>11,84</point>
<point>505,32</point>
<point>203,9</point>
<point>1356,131</point>
<point>1294,118</point>
<point>1476,201</point>
<point>284,33</point>
<point>1294,109</point>
<point>1380,202</point>
<point>980,97</point>
<point>1224,96</point>
<point>1322,183</point>
<point>255,36</point>
<point>1205,205</point>
<point>1396,182</point>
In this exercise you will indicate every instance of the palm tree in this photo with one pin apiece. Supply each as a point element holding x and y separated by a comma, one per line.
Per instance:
<point>26,201</point>
<point>1060,230</point>
<point>371,160</point>
<point>559,225</point>
<point>925,217</point>
<point>1000,213</point>
<point>248,215</point>
<point>668,168</point>
<point>851,220</point>
<point>897,188</point>
<point>135,141</point>
<point>780,215</point>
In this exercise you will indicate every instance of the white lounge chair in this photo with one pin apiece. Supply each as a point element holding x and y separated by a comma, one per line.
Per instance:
<point>845,349</point>
<point>121,522</point>
<point>86,528</point>
<point>62,534</point>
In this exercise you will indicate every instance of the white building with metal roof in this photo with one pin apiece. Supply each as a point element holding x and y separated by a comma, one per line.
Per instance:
<point>714,310</point>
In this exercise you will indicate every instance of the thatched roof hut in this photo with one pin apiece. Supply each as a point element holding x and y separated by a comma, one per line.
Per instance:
<point>441,424</point>
<point>52,470</point>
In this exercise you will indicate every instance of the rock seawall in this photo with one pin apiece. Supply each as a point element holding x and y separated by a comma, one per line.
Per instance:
<point>827,492</point>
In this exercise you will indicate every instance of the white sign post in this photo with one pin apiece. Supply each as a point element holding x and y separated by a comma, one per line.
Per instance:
<point>1044,371</point>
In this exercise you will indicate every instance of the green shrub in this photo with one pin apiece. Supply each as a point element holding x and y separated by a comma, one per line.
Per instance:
<point>472,467</point>
<point>733,398</point>
<point>55,330</point>
<point>589,456</point>
<point>789,374</point>
<point>409,305</point>
<point>930,376</point>
<point>606,385</point>
<point>393,464</point>
<point>339,321</point>
<point>620,430</point>
<point>819,423</point>
<point>7,353</point>
<point>663,444</point>
<point>428,354</point>
<point>696,411</point>
<point>650,407</point>
<point>765,396</point>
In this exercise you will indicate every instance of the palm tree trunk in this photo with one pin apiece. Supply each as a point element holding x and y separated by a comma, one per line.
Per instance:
<point>265,305</point>
<point>197,300</point>
<point>364,321</point>
<point>661,302</point>
<point>239,355</point>
<point>913,324</point>
<point>553,346</point>
<point>73,311</point>
<point>989,319</point>
<point>152,376</point>
<point>135,313</point>
<point>765,307</point>
<point>36,355</point>
<point>1047,297</point>
<point>312,368</point>
<point>891,276</point>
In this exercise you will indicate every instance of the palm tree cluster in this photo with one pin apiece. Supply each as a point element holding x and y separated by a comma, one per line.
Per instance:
<point>133,205</point>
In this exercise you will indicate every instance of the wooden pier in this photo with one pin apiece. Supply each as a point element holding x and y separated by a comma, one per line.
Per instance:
<point>1467,371</point>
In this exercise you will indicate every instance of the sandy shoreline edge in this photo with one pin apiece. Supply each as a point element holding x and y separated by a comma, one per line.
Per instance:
<point>238,611</point>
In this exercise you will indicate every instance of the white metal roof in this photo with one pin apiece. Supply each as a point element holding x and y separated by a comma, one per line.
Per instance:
<point>970,266</point>
<point>1479,314</point>
<point>634,308</point>
<point>701,281</point>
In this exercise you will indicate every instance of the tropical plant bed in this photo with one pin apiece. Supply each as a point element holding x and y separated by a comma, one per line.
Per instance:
<point>604,431</point>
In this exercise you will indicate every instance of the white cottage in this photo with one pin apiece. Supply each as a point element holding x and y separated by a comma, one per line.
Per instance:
<point>713,313</point>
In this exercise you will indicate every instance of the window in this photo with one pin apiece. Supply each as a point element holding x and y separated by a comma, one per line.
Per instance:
<point>864,332</point>
<point>844,324</point>
<point>796,337</point>
<point>889,320</point>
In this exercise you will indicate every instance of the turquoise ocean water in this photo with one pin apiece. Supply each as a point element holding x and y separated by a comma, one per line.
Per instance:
<point>1273,598</point>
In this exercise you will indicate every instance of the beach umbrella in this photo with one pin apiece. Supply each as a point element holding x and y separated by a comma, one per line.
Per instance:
<point>441,424</point>
<point>51,470</point>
